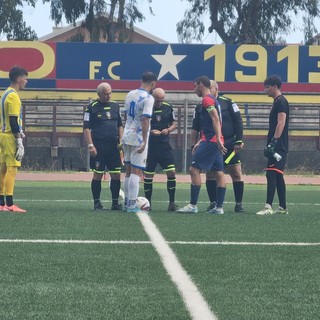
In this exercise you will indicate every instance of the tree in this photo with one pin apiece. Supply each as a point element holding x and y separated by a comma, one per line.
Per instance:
<point>12,24</point>
<point>248,21</point>
<point>103,20</point>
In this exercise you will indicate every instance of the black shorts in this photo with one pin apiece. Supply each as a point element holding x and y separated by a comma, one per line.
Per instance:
<point>275,165</point>
<point>162,154</point>
<point>234,159</point>
<point>107,158</point>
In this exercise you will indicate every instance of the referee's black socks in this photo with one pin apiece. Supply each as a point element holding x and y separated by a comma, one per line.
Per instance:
<point>211,186</point>
<point>115,189</point>
<point>148,187</point>
<point>96,190</point>
<point>171,187</point>
<point>238,187</point>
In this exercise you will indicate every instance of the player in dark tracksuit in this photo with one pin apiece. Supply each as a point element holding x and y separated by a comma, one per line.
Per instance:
<point>102,128</point>
<point>232,131</point>
<point>277,147</point>
<point>163,122</point>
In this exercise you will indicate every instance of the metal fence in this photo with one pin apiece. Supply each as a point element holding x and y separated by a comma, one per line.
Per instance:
<point>55,141</point>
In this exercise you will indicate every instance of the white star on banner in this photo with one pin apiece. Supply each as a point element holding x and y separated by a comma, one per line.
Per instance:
<point>168,62</point>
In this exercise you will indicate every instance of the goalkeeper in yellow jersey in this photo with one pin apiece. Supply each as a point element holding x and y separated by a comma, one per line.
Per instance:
<point>11,135</point>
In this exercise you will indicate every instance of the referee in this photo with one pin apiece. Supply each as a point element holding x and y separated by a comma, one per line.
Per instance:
<point>232,131</point>
<point>102,132</point>
<point>163,122</point>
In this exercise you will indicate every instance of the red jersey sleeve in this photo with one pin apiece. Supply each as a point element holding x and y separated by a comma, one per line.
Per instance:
<point>208,101</point>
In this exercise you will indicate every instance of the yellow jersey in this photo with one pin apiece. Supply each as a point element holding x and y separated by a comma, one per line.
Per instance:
<point>10,106</point>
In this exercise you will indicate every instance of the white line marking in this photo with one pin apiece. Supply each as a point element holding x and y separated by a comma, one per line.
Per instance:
<point>233,243</point>
<point>156,201</point>
<point>74,241</point>
<point>193,299</point>
<point>201,243</point>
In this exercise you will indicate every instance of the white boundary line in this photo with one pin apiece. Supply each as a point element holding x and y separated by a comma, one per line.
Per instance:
<point>201,243</point>
<point>233,243</point>
<point>193,299</point>
<point>72,241</point>
<point>154,201</point>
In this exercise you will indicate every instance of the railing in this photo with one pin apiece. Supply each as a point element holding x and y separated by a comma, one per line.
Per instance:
<point>66,117</point>
<point>302,116</point>
<point>63,119</point>
<point>53,118</point>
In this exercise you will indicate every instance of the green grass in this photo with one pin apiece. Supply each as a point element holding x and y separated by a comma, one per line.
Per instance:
<point>128,281</point>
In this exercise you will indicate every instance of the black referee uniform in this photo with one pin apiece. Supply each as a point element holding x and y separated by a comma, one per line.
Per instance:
<point>160,151</point>
<point>103,120</point>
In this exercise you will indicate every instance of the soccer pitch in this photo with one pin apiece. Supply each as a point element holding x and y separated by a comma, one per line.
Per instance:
<point>62,260</point>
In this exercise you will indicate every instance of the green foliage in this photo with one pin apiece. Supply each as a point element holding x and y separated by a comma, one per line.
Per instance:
<point>12,24</point>
<point>78,37</point>
<point>104,20</point>
<point>247,22</point>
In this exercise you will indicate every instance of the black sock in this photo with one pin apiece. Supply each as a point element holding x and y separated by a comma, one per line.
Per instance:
<point>2,202</point>
<point>221,192</point>
<point>9,200</point>
<point>115,189</point>
<point>148,186</point>
<point>171,187</point>
<point>211,186</point>
<point>238,187</point>
<point>281,190</point>
<point>271,186</point>
<point>96,190</point>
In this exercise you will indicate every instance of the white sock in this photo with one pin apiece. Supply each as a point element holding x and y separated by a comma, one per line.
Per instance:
<point>126,190</point>
<point>133,189</point>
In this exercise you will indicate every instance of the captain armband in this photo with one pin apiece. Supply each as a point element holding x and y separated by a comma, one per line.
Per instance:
<point>210,108</point>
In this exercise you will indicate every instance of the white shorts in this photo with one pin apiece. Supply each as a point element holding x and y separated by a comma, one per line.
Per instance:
<point>138,160</point>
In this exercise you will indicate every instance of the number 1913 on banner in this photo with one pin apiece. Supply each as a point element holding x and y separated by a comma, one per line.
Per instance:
<point>253,63</point>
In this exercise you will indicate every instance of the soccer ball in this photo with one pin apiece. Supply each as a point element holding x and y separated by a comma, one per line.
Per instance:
<point>143,203</point>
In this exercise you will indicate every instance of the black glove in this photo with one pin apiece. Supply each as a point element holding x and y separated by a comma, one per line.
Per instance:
<point>270,150</point>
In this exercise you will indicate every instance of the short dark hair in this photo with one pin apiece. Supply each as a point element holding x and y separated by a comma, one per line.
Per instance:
<point>16,72</point>
<point>204,80</point>
<point>273,80</point>
<point>148,77</point>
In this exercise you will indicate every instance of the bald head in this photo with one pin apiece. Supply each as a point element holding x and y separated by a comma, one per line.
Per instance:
<point>214,88</point>
<point>104,91</point>
<point>159,95</point>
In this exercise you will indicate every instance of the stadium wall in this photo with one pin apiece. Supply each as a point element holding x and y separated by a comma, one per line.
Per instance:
<point>61,72</point>
<point>54,138</point>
